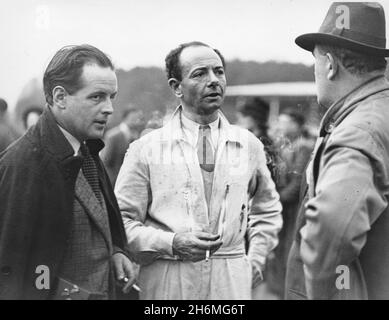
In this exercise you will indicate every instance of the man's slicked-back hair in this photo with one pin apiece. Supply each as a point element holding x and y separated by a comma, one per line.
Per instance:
<point>172,60</point>
<point>65,68</point>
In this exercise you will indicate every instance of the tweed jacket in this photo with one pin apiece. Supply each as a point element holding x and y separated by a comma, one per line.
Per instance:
<point>87,260</point>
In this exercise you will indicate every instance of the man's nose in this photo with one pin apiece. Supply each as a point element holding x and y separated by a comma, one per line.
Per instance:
<point>213,79</point>
<point>108,107</point>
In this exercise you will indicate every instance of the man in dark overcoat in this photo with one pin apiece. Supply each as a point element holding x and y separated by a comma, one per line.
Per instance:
<point>61,233</point>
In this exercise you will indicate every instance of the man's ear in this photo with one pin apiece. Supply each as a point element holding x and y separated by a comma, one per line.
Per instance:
<point>175,85</point>
<point>332,66</point>
<point>59,97</point>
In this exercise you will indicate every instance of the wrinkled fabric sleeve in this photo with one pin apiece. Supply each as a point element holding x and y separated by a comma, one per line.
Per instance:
<point>134,196</point>
<point>264,217</point>
<point>339,216</point>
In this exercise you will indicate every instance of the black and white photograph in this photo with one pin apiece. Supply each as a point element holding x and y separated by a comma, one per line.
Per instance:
<point>208,152</point>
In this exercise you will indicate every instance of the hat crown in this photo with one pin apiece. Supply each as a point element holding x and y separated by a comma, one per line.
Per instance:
<point>358,26</point>
<point>358,21</point>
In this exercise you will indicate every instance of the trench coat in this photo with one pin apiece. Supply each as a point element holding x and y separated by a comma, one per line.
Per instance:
<point>160,192</point>
<point>341,249</point>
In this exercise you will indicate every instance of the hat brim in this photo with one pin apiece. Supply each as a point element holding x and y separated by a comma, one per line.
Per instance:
<point>309,40</point>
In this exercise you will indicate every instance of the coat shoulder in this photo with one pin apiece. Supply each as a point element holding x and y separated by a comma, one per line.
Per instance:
<point>371,114</point>
<point>19,152</point>
<point>24,153</point>
<point>366,127</point>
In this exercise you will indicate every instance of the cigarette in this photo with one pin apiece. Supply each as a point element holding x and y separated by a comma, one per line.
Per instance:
<point>136,288</point>
<point>207,255</point>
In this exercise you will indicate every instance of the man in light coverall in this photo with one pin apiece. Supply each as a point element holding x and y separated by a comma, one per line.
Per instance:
<point>195,193</point>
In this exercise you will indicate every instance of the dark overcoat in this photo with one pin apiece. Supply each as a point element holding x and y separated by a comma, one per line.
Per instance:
<point>37,181</point>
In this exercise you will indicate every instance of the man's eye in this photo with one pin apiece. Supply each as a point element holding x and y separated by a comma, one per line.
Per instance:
<point>220,72</point>
<point>96,97</point>
<point>198,74</point>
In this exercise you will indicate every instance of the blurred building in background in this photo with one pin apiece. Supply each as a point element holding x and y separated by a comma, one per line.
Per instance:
<point>279,95</point>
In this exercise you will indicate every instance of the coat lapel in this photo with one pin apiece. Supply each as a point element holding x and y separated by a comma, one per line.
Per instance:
<point>87,198</point>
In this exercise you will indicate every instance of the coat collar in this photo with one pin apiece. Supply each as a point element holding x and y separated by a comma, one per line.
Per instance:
<point>341,108</point>
<point>173,130</point>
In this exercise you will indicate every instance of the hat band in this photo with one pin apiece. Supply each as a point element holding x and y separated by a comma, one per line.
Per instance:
<point>359,37</point>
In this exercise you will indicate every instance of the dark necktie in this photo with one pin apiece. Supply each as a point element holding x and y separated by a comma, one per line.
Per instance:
<point>89,170</point>
<point>204,149</point>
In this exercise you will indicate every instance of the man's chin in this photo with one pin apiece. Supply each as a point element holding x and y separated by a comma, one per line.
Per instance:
<point>323,102</point>
<point>211,109</point>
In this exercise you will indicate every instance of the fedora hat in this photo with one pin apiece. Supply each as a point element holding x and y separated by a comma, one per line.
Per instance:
<point>358,26</point>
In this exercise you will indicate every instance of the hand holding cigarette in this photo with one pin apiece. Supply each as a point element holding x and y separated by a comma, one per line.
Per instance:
<point>192,245</point>
<point>128,285</point>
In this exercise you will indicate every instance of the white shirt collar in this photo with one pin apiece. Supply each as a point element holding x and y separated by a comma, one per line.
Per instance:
<point>72,140</point>
<point>191,130</point>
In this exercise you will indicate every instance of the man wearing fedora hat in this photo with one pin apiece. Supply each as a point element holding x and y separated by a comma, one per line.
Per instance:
<point>341,247</point>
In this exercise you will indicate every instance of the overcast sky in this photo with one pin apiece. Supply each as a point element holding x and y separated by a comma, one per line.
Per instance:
<point>142,32</point>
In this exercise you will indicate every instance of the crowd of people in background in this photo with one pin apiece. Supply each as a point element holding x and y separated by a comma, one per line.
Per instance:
<point>9,131</point>
<point>288,149</point>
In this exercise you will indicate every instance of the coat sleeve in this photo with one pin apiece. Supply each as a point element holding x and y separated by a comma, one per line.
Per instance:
<point>264,217</point>
<point>133,193</point>
<point>346,203</point>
